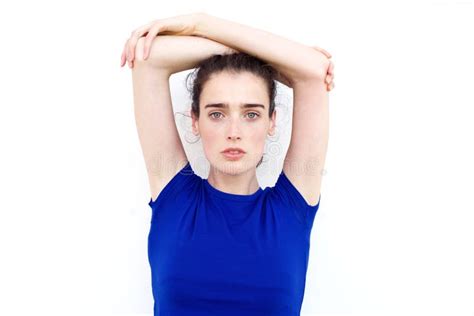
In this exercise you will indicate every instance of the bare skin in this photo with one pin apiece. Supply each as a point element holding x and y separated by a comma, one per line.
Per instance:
<point>246,128</point>
<point>309,72</point>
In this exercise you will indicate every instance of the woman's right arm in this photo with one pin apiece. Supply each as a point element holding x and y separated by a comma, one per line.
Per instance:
<point>161,145</point>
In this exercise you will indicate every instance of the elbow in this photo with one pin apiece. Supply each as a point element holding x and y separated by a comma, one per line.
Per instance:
<point>314,69</point>
<point>139,52</point>
<point>319,68</point>
<point>155,56</point>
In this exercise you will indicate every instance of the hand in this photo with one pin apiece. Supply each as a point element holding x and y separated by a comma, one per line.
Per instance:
<point>176,25</point>
<point>330,73</point>
<point>329,76</point>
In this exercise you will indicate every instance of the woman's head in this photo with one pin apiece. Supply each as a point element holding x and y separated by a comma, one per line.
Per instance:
<point>233,105</point>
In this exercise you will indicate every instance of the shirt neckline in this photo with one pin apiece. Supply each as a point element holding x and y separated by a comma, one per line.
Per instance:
<point>232,196</point>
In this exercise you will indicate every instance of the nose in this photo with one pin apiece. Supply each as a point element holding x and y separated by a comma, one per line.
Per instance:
<point>234,130</point>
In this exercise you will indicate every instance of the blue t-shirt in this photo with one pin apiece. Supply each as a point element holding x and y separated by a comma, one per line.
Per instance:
<point>217,253</point>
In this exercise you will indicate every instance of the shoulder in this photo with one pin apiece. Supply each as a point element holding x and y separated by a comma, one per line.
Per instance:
<point>184,180</point>
<point>287,195</point>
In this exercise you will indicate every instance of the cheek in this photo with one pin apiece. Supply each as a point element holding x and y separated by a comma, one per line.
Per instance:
<point>212,140</point>
<point>260,133</point>
<point>260,149</point>
<point>257,141</point>
<point>213,136</point>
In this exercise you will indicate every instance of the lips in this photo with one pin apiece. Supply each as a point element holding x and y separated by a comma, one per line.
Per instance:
<point>233,150</point>
<point>233,154</point>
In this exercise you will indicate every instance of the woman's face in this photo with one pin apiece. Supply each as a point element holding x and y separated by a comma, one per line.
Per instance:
<point>234,113</point>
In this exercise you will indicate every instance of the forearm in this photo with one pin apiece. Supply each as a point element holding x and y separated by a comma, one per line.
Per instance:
<point>175,53</point>
<point>298,62</point>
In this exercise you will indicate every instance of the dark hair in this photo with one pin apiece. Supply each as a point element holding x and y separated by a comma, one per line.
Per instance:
<point>235,62</point>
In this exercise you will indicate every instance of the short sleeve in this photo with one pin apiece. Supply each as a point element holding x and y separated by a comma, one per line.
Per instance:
<point>179,181</point>
<point>293,199</point>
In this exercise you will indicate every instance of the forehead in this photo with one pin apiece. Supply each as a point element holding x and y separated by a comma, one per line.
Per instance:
<point>234,90</point>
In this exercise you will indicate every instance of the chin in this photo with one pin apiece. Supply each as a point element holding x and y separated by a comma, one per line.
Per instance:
<point>232,167</point>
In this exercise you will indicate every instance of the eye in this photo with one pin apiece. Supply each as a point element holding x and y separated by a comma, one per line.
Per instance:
<point>215,115</point>
<point>211,115</point>
<point>255,114</point>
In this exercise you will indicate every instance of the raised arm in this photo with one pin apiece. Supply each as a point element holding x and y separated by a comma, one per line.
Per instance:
<point>306,69</point>
<point>174,53</point>
<point>306,63</point>
<point>298,62</point>
<point>161,145</point>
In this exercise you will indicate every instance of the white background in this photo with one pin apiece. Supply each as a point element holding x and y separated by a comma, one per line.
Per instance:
<point>393,235</point>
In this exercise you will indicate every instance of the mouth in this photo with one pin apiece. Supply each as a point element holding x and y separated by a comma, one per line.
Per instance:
<point>233,154</point>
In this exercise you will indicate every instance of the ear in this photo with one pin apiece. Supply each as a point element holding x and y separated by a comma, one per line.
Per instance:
<point>271,130</point>
<point>195,124</point>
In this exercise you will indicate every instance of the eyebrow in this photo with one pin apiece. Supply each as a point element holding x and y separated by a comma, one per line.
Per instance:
<point>226,106</point>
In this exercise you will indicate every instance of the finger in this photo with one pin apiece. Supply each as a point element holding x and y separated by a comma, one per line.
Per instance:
<point>134,39</point>
<point>330,85</point>
<point>325,52</point>
<point>127,51</point>
<point>329,78</point>
<point>124,55</point>
<point>127,54</point>
<point>329,74</point>
<point>321,51</point>
<point>331,68</point>
<point>149,39</point>
<point>131,45</point>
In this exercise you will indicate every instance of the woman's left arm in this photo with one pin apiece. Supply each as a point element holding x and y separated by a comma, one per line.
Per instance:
<point>295,62</point>
<point>306,68</point>
<point>298,62</point>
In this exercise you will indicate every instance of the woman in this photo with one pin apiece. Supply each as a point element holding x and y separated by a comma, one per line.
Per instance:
<point>223,245</point>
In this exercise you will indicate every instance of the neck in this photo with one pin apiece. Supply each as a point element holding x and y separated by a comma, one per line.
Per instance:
<point>242,183</point>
